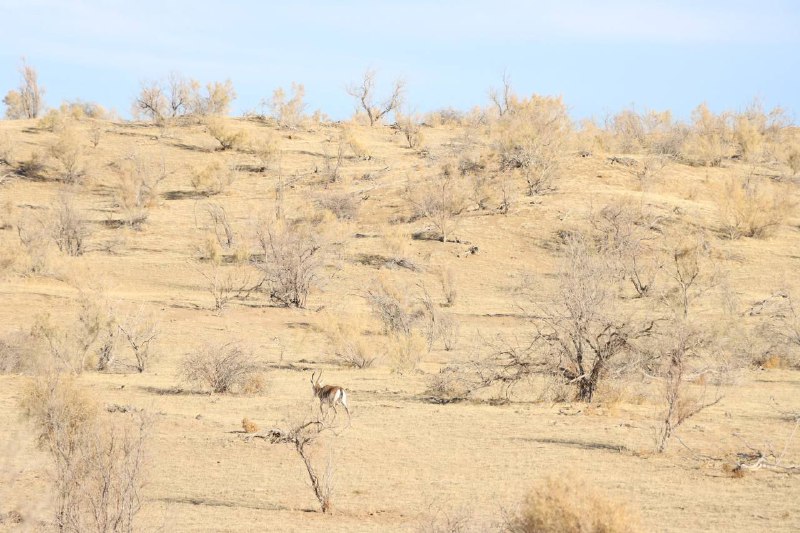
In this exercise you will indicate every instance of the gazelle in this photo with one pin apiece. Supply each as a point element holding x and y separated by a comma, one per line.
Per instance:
<point>329,394</point>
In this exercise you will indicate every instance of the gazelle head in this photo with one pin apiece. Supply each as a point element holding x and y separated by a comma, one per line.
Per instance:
<point>315,384</point>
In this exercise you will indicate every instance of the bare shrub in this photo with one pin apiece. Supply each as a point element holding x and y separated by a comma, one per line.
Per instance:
<point>390,305</point>
<point>266,150</point>
<point>71,344</point>
<point>779,328</point>
<point>709,140</point>
<point>450,384</point>
<point>27,101</point>
<point>364,94</point>
<point>751,209</point>
<point>214,178</point>
<point>447,279</point>
<point>346,342</point>
<point>219,367</point>
<point>227,138</point>
<point>438,324</point>
<point>292,262</point>
<point>136,190</point>
<point>530,140</point>
<point>69,231</point>
<point>439,199</point>
<point>67,150</point>
<point>342,204</point>
<point>359,149</point>
<point>625,234</point>
<point>682,364</point>
<point>226,283</point>
<point>20,353</point>
<point>288,113</point>
<point>36,240</point>
<point>95,134</point>
<point>140,328</point>
<point>217,99</point>
<point>99,467</point>
<point>569,506</point>
<point>411,128</point>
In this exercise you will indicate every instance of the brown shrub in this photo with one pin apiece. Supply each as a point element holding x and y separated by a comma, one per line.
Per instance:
<point>751,209</point>
<point>220,367</point>
<point>227,138</point>
<point>570,507</point>
<point>343,205</point>
<point>68,152</point>
<point>214,178</point>
<point>136,191</point>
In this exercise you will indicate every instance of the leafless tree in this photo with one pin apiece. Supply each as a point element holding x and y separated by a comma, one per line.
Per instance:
<point>364,93</point>
<point>504,98</point>
<point>27,101</point>
<point>302,436</point>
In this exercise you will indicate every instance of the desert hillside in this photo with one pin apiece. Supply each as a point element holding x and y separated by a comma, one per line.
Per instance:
<point>508,300</point>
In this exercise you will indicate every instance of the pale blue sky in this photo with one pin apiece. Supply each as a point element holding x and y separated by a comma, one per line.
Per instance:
<point>600,55</point>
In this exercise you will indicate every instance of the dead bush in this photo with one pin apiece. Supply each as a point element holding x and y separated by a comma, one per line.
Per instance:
<point>288,113</point>
<point>69,231</point>
<point>530,139</point>
<point>682,363</point>
<point>751,209</point>
<point>99,467</point>
<point>292,261</point>
<point>214,178</point>
<point>136,191</point>
<point>411,128</point>
<point>68,152</point>
<point>228,138</point>
<point>569,506</point>
<point>266,150</point>
<point>343,205</point>
<point>346,342</point>
<point>220,367</point>
<point>36,239</point>
<point>447,279</point>
<point>391,306</point>
<point>439,199</point>
<point>226,282</point>
<point>709,140</point>
<point>140,329</point>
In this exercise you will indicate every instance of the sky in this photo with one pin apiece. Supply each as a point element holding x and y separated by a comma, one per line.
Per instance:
<point>601,56</point>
